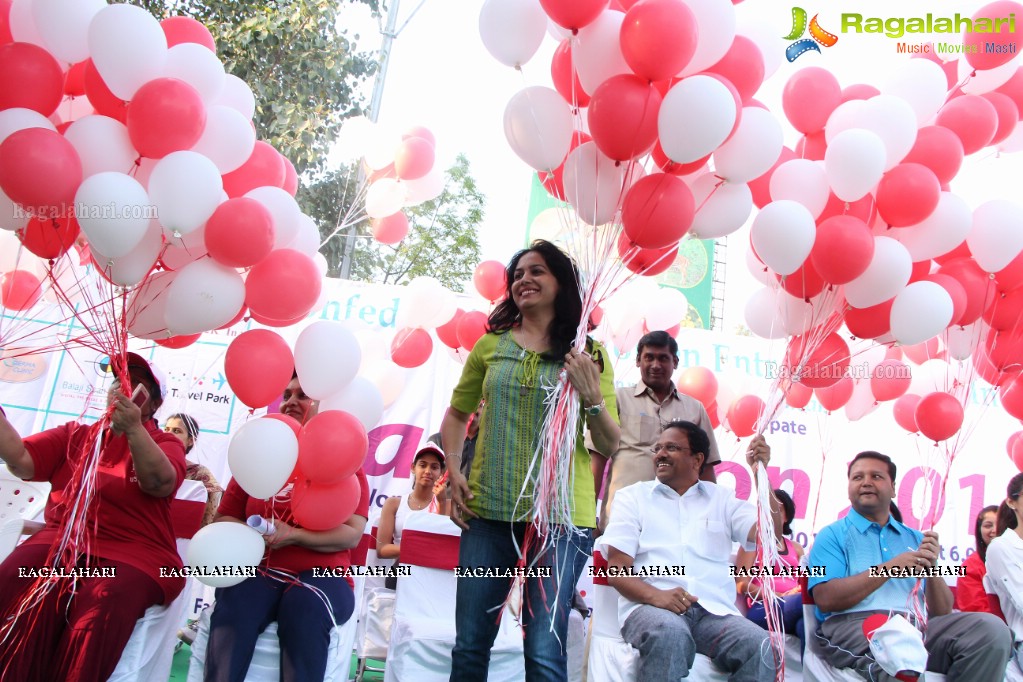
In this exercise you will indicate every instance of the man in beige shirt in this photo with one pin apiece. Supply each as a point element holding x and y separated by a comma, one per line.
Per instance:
<point>644,410</point>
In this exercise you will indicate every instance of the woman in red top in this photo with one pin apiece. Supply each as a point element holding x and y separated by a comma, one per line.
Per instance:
<point>970,594</point>
<point>79,629</point>
<point>291,588</point>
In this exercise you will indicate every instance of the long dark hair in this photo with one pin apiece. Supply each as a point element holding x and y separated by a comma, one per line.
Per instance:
<point>1006,516</point>
<point>568,304</point>
<point>981,542</point>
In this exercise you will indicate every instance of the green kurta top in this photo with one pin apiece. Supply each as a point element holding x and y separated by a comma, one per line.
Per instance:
<point>513,380</point>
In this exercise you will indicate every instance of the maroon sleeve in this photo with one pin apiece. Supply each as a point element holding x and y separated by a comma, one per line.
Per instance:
<point>49,449</point>
<point>363,508</point>
<point>233,501</point>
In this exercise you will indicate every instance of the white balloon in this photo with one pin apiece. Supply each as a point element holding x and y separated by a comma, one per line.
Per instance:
<point>512,30</point>
<point>146,306</point>
<point>284,210</point>
<point>921,83</point>
<point>752,149</point>
<point>360,398</point>
<point>762,316</point>
<point>185,188</point>
<point>114,212</point>
<point>783,234</point>
<point>724,206</point>
<point>389,380</point>
<point>997,234</point>
<point>327,357</point>
<point>13,120</point>
<point>205,295</point>
<point>894,121</point>
<point>131,268</point>
<point>262,456</point>
<point>920,311</point>
<point>757,268</point>
<point>1014,142</point>
<point>307,237</point>
<point>803,181</point>
<point>423,301</point>
<point>73,108</point>
<point>224,544</point>
<point>199,67</point>
<point>961,341</point>
<point>696,116</point>
<point>716,20</point>
<point>862,402</point>
<point>12,215</point>
<point>597,54</point>
<point>666,308</point>
<point>102,144</point>
<point>23,23</point>
<point>183,249</point>
<point>887,274</point>
<point>979,81</point>
<point>766,40</point>
<point>382,143</point>
<point>854,162</point>
<point>426,188</point>
<point>236,94</point>
<point>128,47</point>
<point>846,116</point>
<point>63,26</point>
<point>940,232</point>
<point>385,197</point>
<point>227,139</point>
<point>594,184</point>
<point>538,126</point>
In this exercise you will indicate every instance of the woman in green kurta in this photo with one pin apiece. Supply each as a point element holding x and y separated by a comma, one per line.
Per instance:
<point>529,343</point>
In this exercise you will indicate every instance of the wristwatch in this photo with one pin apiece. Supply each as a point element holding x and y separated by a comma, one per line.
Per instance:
<point>594,410</point>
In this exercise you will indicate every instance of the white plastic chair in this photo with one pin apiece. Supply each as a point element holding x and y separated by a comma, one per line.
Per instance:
<point>149,653</point>
<point>423,634</point>
<point>375,610</point>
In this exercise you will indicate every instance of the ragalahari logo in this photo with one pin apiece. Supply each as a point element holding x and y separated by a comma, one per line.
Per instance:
<point>817,35</point>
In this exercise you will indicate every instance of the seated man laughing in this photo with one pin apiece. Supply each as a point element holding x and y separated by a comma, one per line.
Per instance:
<point>680,521</point>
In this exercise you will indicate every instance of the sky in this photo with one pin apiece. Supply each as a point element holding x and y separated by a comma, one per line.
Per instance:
<point>442,77</point>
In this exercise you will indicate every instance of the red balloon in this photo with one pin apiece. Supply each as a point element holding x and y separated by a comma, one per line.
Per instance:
<point>290,184</point>
<point>264,167</point>
<point>1004,349</point>
<point>859,91</point>
<point>165,115</point>
<point>842,249</point>
<point>890,379</point>
<point>40,170</point>
<point>553,181</point>
<point>817,364</point>
<point>961,251</point>
<point>50,237</point>
<point>573,14</point>
<point>283,286</point>
<point>565,77</point>
<point>743,65</point>
<point>420,131</point>
<point>939,149</point>
<point>835,396</point>
<point>332,446</point>
<point>1011,276</point>
<point>411,347</point>
<point>797,395</point>
<point>1011,394</point>
<point>645,262</point>
<point>919,353</point>
<point>904,411</point>
<point>320,507</point>
<point>240,233</point>
<point>181,341</point>
<point>978,285</point>
<point>907,194</point>
<point>699,383</point>
<point>20,290</point>
<point>662,161</point>
<point>448,332</point>
<point>294,424</point>
<point>658,38</point>
<point>761,187</point>
<point>955,291</point>
<point>74,79</point>
<point>30,78</point>
<point>273,322</point>
<point>258,365</point>
<point>809,97</point>
<point>1007,45</point>
<point>972,118</point>
<point>187,30</point>
<point>743,415</point>
<point>870,323</point>
<point>1007,113</point>
<point>939,416</point>
<point>712,414</point>
<point>471,327</point>
<point>623,116</point>
<point>657,211</point>
<point>812,146</point>
<point>100,97</point>
<point>804,283</point>
<point>390,229</point>
<point>490,279</point>
<point>414,158</point>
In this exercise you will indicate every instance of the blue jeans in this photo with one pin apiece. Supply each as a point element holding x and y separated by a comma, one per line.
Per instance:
<point>792,617</point>
<point>546,602</point>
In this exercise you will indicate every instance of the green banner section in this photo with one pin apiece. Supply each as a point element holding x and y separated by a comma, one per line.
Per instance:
<point>691,273</point>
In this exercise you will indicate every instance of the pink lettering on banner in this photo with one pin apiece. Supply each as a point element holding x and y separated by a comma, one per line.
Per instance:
<point>743,483</point>
<point>800,486</point>
<point>400,464</point>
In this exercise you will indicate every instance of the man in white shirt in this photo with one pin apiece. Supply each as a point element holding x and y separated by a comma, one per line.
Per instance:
<point>668,546</point>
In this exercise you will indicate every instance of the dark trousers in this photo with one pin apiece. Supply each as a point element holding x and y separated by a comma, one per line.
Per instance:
<point>304,625</point>
<point>792,616</point>
<point>77,639</point>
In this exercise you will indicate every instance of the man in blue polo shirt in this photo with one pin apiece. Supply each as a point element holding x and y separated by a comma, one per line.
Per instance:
<point>860,554</point>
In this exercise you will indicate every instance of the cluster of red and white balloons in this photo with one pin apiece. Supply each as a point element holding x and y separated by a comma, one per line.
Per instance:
<point>129,131</point>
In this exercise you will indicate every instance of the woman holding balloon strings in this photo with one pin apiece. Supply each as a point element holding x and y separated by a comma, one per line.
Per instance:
<point>529,343</point>
<point>1005,569</point>
<point>970,594</point>
<point>306,607</point>
<point>185,428</point>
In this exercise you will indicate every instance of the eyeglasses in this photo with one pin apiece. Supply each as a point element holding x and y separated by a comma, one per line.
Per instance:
<point>670,447</point>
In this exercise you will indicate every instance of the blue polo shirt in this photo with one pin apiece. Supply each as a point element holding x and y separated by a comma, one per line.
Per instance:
<point>852,545</point>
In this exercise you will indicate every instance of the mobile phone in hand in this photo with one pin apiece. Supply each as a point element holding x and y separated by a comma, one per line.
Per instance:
<point>140,395</point>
